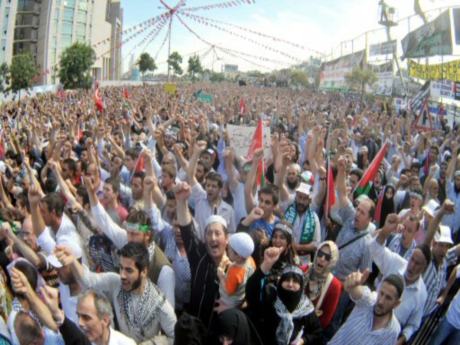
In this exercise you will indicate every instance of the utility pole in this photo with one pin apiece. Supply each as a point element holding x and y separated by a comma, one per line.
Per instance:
<point>169,42</point>
<point>386,19</point>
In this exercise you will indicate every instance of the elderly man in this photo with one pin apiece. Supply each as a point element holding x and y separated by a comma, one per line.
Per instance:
<point>353,238</point>
<point>204,258</point>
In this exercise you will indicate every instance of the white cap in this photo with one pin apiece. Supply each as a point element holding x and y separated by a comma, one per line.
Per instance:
<point>242,244</point>
<point>215,218</point>
<point>443,235</point>
<point>431,207</point>
<point>74,248</point>
<point>304,188</point>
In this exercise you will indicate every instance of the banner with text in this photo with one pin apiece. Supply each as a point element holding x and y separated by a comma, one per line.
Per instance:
<point>445,71</point>
<point>384,48</point>
<point>241,137</point>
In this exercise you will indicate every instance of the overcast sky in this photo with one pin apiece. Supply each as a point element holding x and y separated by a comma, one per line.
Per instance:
<point>326,26</point>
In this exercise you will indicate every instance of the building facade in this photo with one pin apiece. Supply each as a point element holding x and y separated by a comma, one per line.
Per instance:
<point>7,22</point>
<point>45,28</point>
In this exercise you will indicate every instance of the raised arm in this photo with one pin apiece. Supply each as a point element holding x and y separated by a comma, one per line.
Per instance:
<point>286,160</point>
<point>251,181</point>
<point>446,208</point>
<point>38,223</point>
<point>341,185</point>
<point>200,146</point>
<point>27,252</point>
<point>354,284</point>
<point>21,286</point>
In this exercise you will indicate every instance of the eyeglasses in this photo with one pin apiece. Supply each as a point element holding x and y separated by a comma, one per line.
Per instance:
<point>325,255</point>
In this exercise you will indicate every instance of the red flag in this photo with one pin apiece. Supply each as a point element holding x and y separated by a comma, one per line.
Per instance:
<point>2,147</point>
<point>98,101</point>
<point>140,164</point>
<point>364,185</point>
<point>378,208</point>
<point>258,143</point>
<point>330,195</point>
<point>61,93</point>
<point>125,93</point>
<point>242,106</point>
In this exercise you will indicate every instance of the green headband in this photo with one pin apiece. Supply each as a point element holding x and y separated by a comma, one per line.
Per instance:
<point>144,228</point>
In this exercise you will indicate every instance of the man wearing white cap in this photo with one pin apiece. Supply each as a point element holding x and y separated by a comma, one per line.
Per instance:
<point>444,256</point>
<point>305,222</point>
<point>204,258</point>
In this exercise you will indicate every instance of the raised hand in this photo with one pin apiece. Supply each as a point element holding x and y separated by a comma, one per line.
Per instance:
<point>182,191</point>
<point>271,255</point>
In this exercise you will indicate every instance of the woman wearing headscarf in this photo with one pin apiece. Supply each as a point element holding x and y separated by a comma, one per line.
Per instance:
<point>282,314</point>
<point>385,205</point>
<point>233,327</point>
<point>321,287</point>
<point>282,239</point>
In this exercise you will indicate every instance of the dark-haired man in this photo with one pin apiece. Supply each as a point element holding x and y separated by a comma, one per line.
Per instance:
<point>207,202</point>
<point>372,320</point>
<point>410,311</point>
<point>141,309</point>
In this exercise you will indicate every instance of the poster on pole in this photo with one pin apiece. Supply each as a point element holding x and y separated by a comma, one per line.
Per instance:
<point>384,48</point>
<point>384,84</point>
<point>433,38</point>
<point>241,137</point>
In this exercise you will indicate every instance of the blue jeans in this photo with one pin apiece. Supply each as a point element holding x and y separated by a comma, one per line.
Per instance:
<point>445,334</point>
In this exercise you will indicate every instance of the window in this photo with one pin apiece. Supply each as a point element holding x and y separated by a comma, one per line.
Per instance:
<point>68,14</point>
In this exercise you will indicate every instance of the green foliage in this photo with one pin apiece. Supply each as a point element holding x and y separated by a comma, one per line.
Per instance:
<point>22,71</point>
<point>299,78</point>
<point>4,77</point>
<point>217,77</point>
<point>75,66</point>
<point>174,62</point>
<point>359,78</point>
<point>146,63</point>
<point>194,66</point>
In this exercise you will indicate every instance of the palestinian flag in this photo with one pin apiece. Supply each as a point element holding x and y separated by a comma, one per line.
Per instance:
<point>257,143</point>
<point>125,93</point>
<point>364,184</point>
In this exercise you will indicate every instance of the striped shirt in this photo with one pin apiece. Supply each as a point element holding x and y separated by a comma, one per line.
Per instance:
<point>357,330</point>
<point>410,311</point>
<point>395,245</point>
<point>435,279</point>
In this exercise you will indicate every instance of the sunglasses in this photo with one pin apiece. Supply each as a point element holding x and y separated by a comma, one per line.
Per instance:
<point>325,255</point>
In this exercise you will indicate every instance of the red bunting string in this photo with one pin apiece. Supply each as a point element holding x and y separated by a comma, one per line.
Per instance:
<point>243,37</point>
<point>261,34</point>
<point>225,4</point>
<point>228,50</point>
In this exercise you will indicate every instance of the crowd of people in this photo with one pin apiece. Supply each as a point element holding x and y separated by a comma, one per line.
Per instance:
<point>138,222</point>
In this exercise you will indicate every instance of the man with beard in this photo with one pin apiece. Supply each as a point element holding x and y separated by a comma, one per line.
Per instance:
<point>372,320</point>
<point>305,223</point>
<point>137,229</point>
<point>413,299</point>
<point>207,202</point>
<point>140,307</point>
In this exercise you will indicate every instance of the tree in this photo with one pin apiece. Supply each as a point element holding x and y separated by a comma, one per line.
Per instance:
<point>217,77</point>
<point>174,62</point>
<point>4,77</point>
<point>194,66</point>
<point>75,66</point>
<point>146,63</point>
<point>359,78</point>
<point>299,78</point>
<point>22,71</point>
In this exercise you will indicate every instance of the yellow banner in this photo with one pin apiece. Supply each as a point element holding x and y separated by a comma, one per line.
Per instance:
<point>170,88</point>
<point>445,71</point>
